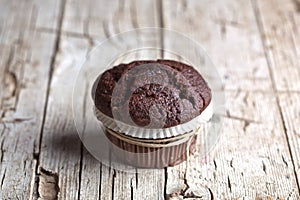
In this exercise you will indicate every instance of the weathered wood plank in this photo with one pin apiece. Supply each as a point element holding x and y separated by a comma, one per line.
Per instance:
<point>281,44</point>
<point>60,151</point>
<point>98,19</point>
<point>91,177</point>
<point>279,25</point>
<point>253,158</point>
<point>26,56</point>
<point>228,32</point>
<point>260,168</point>
<point>80,177</point>
<point>289,103</point>
<point>263,164</point>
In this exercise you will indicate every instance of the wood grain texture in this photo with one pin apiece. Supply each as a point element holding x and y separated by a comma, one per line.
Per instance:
<point>60,151</point>
<point>279,25</point>
<point>228,31</point>
<point>26,56</point>
<point>253,158</point>
<point>289,103</point>
<point>254,45</point>
<point>80,176</point>
<point>281,44</point>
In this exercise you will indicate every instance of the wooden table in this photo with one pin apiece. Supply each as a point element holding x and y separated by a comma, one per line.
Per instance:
<point>254,45</point>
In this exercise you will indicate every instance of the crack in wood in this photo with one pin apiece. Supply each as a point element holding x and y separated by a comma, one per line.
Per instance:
<point>204,193</point>
<point>3,177</point>
<point>48,187</point>
<point>246,124</point>
<point>166,182</point>
<point>24,165</point>
<point>264,167</point>
<point>229,184</point>
<point>80,171</point>
<point>100,181</point>
<point>136,179</point>
<point>231,164</point>
<point>16,144</point>
<point>185,178</point>
<point>15,120</point>
<point>284,161</point>
<point>211,193</point>
<point>189,191</point>
<point>215,164</point>
<point>2,149</point>
<point>114,175</point>
<point>131,190</point>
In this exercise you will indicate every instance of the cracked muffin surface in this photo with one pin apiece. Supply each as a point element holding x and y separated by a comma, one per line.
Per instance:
<point>152,93</point>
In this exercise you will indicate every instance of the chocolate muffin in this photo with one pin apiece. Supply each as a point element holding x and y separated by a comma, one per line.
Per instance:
<point>151,94</point>
<point>183,99</point>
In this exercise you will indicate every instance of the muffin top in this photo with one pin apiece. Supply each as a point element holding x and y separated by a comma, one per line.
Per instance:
<point>152,94</point>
